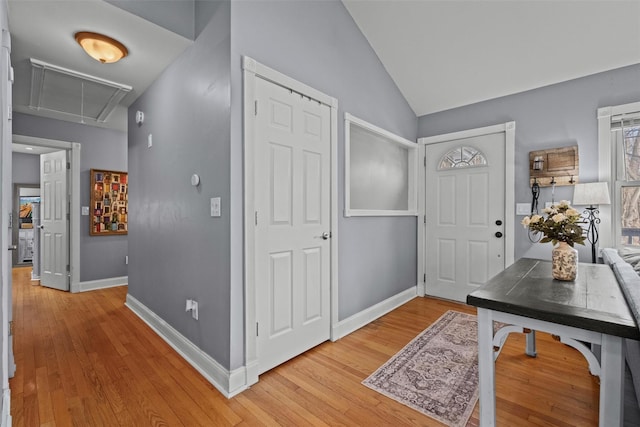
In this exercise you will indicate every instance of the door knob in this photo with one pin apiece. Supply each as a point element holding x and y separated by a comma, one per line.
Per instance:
<point>41,227</point>
<point>326,235</point>
<point>498,222</point>
<point>498,234</point>
<point>13,247</point>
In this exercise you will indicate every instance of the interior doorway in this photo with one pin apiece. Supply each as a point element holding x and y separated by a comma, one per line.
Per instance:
<point>25,198</point>
<point>42,146</point>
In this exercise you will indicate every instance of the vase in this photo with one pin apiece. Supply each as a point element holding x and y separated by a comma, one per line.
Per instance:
<point>564,262</point>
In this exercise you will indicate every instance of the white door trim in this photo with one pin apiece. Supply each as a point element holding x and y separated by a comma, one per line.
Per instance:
<point>509,130</point>
<point>252,70</point>
<point>74,211</point>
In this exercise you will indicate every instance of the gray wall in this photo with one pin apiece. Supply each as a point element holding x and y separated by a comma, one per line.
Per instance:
<point>177,251</point>
<point>318,43</point>
<point>25,168</point>
<point>553,116</point>
<point>194,111</point>
<point>101,257</point>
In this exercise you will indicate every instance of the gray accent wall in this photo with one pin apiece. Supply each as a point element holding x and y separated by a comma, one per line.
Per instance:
<point>549,117</point>
<point>194,113</point>
<point>319,44</point>
<point>101,257</point>
<point>177,251</point>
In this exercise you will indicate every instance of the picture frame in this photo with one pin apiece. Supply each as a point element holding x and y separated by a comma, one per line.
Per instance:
<point>109,203</point>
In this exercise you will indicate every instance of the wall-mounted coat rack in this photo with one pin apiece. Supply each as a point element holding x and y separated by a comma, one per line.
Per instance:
<point>559,166</point>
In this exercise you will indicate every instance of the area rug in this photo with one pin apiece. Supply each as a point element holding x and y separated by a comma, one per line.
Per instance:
<point>437,372</point>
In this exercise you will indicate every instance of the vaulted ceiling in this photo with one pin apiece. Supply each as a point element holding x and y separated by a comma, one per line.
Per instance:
<point>445,54</point>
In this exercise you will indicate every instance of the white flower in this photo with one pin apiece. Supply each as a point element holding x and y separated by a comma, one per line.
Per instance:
<point>535,218</point>
<point>563,204</point>
<point>551,210</point>
<point>525,221</point>
<point>572,212</point>
<point>558,217</point>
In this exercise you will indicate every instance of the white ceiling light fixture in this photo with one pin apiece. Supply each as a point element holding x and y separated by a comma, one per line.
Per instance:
<point>100,47</point>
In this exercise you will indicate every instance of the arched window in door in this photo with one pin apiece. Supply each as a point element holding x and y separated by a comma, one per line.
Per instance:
<point>462,157</point>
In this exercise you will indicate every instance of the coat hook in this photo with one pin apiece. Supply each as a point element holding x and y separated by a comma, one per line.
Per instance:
<point>553,180</point>
<point>572,181</point>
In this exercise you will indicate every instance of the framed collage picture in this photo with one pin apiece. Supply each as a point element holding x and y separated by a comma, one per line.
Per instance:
<point>109,202</point>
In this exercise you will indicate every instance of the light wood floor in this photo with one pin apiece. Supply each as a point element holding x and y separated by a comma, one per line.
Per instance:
<point>86,360</point>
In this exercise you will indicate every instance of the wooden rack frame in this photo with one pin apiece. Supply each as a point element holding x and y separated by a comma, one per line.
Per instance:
<point>556,165</point>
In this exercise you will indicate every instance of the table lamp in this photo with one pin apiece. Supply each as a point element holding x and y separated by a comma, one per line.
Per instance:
<point>592,194</point>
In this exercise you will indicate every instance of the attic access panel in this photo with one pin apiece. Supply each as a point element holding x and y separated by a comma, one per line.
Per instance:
<point>73,93</point>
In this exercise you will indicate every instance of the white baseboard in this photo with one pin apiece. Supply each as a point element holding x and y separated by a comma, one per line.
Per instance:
<point>6,408</point>
<point>229,383</point>
<point>358,320</point>
<point>92,285</point>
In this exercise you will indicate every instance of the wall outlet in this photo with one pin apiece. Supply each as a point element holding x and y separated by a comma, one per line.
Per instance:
<point>192,306</point>
<point>194,310</point>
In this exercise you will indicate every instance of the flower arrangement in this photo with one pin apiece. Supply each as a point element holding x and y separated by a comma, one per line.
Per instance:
<point>560,224</point>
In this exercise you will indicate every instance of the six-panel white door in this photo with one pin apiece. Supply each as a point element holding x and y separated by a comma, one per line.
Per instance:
<point>465,198</point>
<point>54,235</point>
<point>292,199</point>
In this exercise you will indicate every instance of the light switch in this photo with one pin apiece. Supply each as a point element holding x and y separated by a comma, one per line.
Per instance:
<point>85,210</point>
<point>149,141</point>
<point>215,206</point>
<point>523,208</point>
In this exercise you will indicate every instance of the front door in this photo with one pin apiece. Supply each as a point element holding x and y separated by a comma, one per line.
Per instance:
<point>54,232</point>
<point>465,208</point>
<point>292,187</point>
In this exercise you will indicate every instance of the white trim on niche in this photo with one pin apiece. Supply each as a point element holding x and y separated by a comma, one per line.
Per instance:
<point>412,149</point>
<point>229,383</point>
<point>251,71</point>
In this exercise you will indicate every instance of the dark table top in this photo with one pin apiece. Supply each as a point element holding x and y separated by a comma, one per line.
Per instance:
<point>593,301</point>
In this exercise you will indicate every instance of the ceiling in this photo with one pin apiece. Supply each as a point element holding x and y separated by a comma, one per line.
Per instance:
<point>44,30</point>
<point>446,54</point>
<point>441,54</point>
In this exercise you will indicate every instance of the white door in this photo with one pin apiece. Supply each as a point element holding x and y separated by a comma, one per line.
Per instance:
<point>54,220</point>
<point>292,179</point>
<point>6,204</point>
<point>465,197</point>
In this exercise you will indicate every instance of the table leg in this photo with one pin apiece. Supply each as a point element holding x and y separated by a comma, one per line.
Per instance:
<point>531,344</point>
<point>486,368</point>
<point>612,381</point>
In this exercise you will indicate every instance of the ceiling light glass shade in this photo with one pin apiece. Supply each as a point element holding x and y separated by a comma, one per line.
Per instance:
<point>100,47</point>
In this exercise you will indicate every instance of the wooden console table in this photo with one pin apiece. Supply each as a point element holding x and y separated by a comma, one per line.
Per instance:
<point>592,309</point>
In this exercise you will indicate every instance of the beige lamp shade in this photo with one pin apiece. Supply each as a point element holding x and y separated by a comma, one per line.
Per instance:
<point>100,47</point>
<point>592,193</point>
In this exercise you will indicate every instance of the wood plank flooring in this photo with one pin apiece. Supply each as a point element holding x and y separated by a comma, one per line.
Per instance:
<point>87,360</point>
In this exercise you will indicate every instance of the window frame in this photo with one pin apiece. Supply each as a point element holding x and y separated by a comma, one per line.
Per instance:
<point>609,161</point>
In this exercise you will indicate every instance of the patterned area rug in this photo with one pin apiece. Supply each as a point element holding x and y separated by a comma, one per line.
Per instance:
<point>437,372</point>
